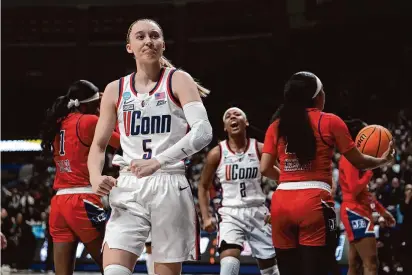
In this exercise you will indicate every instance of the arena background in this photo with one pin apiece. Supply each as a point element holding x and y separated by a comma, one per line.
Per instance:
<point>244,51</point>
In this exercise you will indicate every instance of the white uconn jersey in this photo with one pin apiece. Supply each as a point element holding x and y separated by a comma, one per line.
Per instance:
<point>240,177</point>
<point>149,123</point>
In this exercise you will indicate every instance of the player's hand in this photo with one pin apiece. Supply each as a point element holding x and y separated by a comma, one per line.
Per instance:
<point>268,219</point>
<point>389,155</point>
<point>103,184</point>
<point>389,219</point>
<point>144,167</point>
<point>209,225</point>
<point>3,241</point>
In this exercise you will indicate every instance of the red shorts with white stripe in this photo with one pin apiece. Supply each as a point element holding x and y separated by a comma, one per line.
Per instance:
<point>76,216</point>
<point>303,216</point>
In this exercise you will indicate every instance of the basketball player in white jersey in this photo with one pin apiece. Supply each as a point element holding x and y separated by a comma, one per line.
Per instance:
<point>154,108</point>
<point>235,162</point>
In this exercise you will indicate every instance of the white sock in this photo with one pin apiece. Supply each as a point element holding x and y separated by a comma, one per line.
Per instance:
<point>229,266</point>
<point>115,269</point>
<point>150,264</point>
<point>273,270</point>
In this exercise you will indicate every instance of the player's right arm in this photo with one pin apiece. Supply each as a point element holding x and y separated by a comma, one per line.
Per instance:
<point>206,181</point>
<point>104,129</point>
<point>347,147</point>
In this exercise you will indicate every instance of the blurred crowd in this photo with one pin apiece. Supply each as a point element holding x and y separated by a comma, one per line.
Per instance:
<point>25,203</point>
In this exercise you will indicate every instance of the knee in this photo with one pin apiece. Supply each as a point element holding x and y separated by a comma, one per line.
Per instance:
<point>371,263</point>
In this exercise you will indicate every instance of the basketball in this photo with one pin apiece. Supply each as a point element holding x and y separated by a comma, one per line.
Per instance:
<point>373,140</point>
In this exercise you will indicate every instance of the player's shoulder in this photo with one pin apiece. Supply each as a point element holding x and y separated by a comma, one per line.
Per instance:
<point>331,116</point>
<point>182,77</point>
<point>89,118</point>
<point>114,85</point>
<point>214,154</point>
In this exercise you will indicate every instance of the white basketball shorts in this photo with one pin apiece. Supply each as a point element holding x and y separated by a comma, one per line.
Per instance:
<point>161,204</point>
<point>238,225</point>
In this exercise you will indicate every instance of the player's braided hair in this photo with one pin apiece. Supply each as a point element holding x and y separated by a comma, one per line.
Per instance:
<point>294,123</point>
<point>80,90</point>
<point>164,62</point>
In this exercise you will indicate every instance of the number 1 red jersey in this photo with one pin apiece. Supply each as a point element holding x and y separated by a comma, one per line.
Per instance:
<point>71,149</point>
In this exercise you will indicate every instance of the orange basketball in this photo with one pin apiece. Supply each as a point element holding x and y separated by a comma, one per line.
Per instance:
<point>373,140</point>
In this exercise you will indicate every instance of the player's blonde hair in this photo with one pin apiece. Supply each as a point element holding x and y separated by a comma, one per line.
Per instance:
<point>164,62</point>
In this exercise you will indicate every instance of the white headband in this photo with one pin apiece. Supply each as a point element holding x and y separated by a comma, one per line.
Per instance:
<point>318,82</point>
<point>76,102</point>
<point>234,109</point>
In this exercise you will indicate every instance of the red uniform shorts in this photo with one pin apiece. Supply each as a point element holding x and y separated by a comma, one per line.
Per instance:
<point>76,217</point>
<point>357,220</point>
<point>302,217</point>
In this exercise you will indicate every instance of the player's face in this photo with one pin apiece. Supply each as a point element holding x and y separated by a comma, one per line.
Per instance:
<point>235,123</point>
<point>146,42</point>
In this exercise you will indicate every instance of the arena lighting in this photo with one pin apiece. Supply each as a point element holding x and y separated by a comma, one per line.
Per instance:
<point>28,145</point>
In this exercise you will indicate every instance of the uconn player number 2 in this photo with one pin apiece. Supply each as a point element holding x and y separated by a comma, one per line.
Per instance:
<point>242,189</point>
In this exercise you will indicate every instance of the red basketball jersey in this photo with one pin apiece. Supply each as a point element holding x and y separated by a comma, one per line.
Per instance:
<point>71,149</point>
<point>330,132</point>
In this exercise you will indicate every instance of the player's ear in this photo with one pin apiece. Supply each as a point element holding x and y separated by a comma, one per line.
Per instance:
<point>247,123</point>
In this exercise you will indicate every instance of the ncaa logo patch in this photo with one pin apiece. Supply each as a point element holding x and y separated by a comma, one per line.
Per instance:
<point>126,95</point>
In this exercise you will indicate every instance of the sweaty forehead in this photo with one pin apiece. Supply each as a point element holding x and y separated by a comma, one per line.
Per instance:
<point>145,26</point>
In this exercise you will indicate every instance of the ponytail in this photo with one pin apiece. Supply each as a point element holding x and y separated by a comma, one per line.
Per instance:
<point>296,129</point>
<point>52,123</point>
<point>203,92</point>
<point>295,126</point>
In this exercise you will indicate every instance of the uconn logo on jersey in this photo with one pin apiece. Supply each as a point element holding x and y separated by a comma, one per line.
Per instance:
<point>234,172</point>
<point>135,124</point>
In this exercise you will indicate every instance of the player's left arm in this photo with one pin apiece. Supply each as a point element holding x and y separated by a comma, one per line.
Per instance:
<point>200,135</point>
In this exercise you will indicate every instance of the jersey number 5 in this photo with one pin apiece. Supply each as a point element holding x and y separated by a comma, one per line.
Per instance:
<point>242,189</point>
<point>61,151</point>
<point>148,151</point>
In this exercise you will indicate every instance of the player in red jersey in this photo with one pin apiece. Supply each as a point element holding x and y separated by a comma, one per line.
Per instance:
<point>356,211</point>
<point>303,138</point>
<point>76,212</point>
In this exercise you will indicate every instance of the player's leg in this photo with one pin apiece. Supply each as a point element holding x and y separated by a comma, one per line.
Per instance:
<point>175,225</point>
<point>149,259</point>
<point>128,226</point>
<point>260,241</point>
<point>232,236</point>
<point>318,234</point>
<point>64,256</point>
<point>285,231</point>
<point>87,218</point>
<point>353,257</point>
<point>355,262</point>
<point>362,239</point>
<point>366,248</point>
<point>64,240</point>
